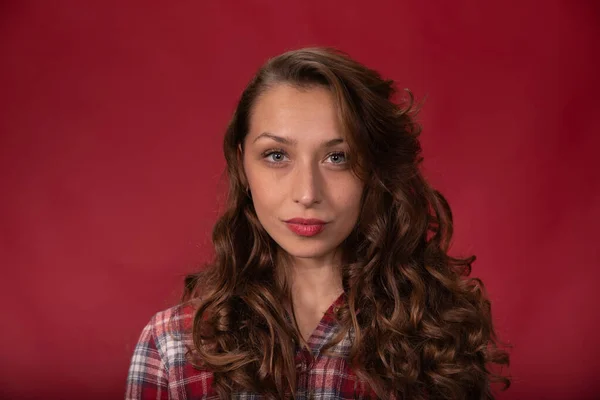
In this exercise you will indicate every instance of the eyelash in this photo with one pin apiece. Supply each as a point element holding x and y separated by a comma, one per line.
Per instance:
<point>270,152</point>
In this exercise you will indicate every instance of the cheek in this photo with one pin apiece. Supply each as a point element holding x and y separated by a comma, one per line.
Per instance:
<point>349,198</point>
<point>262,199</point>
<point>266,195</point>
<point>254,181</point>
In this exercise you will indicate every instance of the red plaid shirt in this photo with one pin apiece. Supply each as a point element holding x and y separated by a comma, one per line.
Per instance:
<point>160,370</point>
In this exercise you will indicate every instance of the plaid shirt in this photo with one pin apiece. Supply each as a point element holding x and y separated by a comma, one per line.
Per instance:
<point>160,370</point>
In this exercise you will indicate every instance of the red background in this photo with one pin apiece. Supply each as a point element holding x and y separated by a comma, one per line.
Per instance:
<point>111,120</point>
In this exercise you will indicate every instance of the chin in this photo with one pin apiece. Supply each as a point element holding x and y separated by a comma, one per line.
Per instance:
<point>307,249</point>
<point>307,255</point>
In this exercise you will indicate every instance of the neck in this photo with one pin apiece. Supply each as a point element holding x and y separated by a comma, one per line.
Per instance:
<point>315,282</point>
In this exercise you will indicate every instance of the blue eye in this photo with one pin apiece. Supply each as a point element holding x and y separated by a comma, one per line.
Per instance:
<point>337,158</point>
<point>275,156</point>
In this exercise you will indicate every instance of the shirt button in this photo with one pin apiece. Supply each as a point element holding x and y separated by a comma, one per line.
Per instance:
<point>301,365</point>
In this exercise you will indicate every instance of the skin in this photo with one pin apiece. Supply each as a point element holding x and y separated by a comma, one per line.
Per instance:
<point>296,166</point>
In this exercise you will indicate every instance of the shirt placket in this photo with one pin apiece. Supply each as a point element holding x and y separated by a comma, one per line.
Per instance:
<point>304,362</point>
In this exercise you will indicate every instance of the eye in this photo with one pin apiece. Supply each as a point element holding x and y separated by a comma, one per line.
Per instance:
<point>274,156</point>
<point>338,157</point>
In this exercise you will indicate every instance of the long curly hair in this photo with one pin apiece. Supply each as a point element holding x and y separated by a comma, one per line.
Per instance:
<point>421,328</point>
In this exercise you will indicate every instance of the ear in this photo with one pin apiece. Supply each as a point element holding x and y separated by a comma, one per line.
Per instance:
<point>240,159</point>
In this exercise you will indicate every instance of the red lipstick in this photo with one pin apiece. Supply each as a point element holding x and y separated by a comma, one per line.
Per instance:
<point>305,227</point>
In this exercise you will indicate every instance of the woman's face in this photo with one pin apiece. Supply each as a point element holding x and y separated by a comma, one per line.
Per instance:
<point>295,160</point>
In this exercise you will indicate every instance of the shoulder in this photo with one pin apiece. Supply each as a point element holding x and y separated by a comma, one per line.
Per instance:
<point>160,368</point>
<point>170,331</point>
<point>176,320</point>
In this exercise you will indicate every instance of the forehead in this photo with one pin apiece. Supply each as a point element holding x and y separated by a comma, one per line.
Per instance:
<point>299,113</point>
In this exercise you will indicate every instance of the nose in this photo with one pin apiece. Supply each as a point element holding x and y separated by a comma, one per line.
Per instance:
<point>306,184</point>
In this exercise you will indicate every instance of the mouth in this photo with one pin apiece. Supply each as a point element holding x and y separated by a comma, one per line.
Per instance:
<point>305,227</point>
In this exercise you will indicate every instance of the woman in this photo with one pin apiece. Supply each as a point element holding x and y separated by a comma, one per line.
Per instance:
<point>332,277</point>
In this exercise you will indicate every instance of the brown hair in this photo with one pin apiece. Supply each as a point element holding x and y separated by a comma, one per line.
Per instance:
<point>421,328</point>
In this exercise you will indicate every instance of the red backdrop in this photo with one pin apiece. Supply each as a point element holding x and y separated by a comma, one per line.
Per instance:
<point>111,122</point>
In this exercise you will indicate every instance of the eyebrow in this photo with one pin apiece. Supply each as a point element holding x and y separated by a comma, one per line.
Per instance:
<point>292,142</point>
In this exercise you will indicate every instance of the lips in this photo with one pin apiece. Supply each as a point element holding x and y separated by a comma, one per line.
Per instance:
<point>305,227</point>
<point>304,221</point>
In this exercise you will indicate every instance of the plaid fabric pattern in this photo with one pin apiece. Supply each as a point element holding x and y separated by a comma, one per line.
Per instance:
<point>160,370</point>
